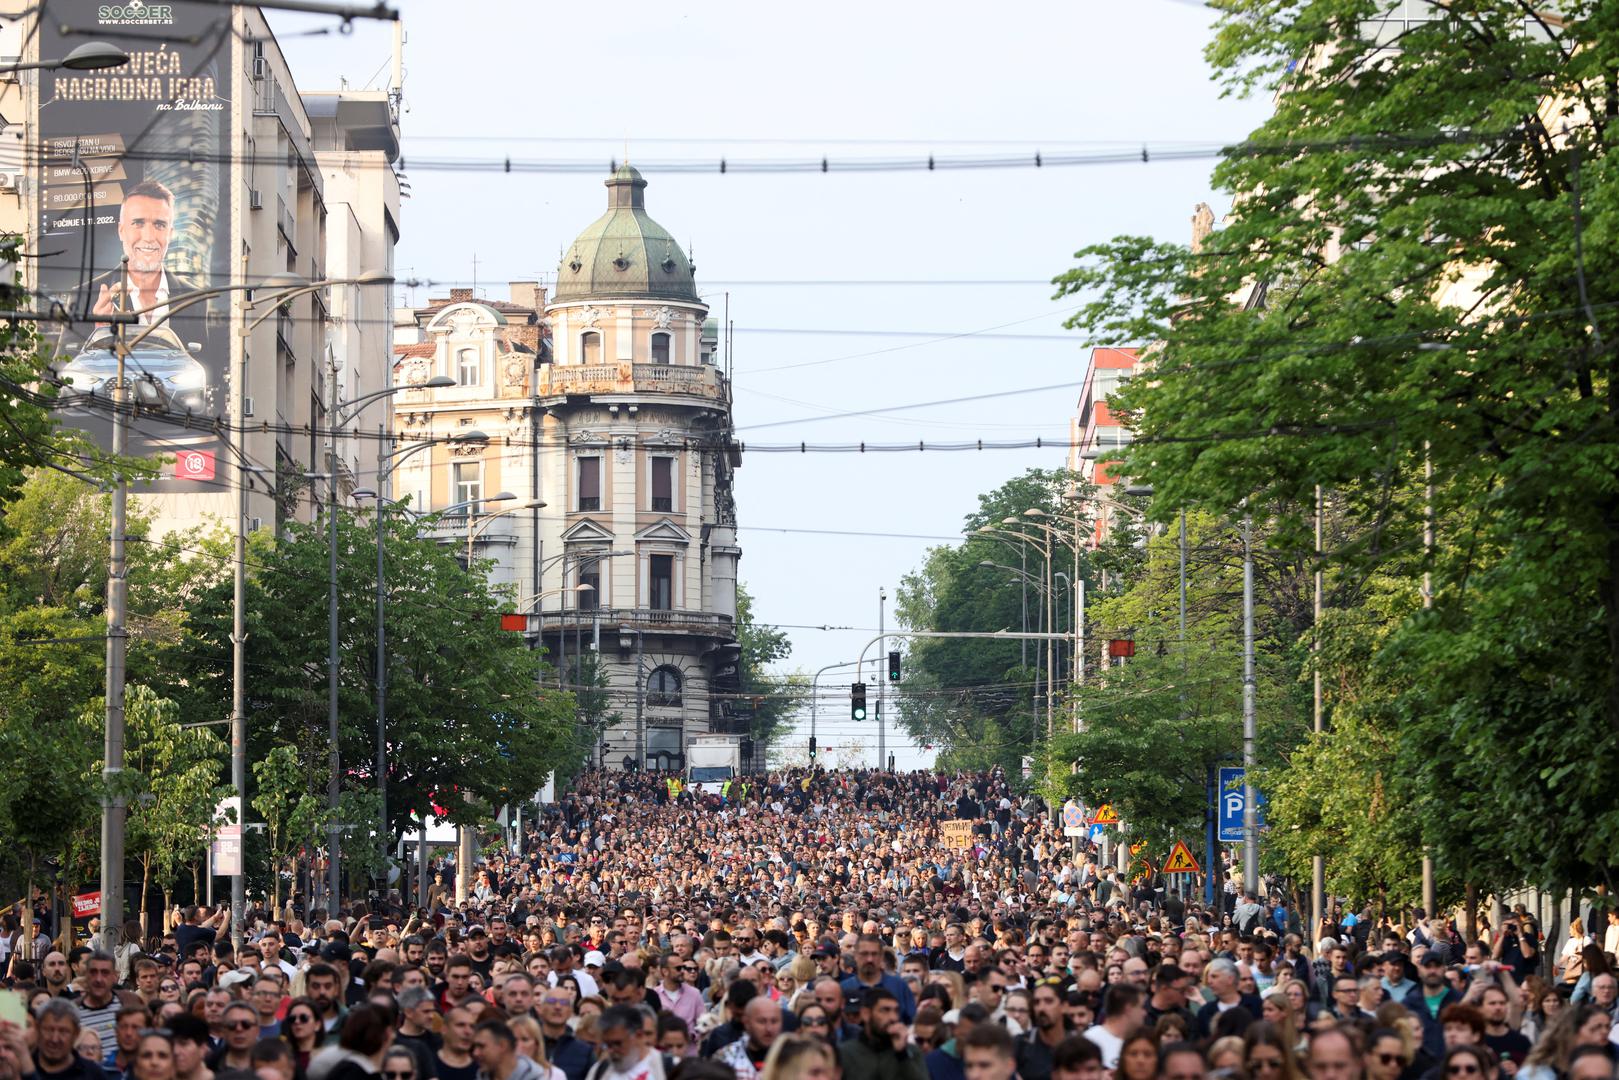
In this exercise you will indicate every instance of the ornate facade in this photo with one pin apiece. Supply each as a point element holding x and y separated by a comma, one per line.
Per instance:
<point>607,402</point>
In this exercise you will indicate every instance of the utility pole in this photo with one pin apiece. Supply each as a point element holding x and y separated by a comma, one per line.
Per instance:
<point>1429,897</point>
<point>1250,813</point>
<point>238,656</point>
<point>382,665</point>
<point>640,701</point>
<point>113,806</point>
<point>334,870</point>
<point>1318,862</point>
<point>882,681</point>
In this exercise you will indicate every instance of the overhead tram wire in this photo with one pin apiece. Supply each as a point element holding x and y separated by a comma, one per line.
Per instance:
<point>1142,153</point>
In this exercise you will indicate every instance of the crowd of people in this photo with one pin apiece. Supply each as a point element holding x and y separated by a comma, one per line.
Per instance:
<point>812,925</point>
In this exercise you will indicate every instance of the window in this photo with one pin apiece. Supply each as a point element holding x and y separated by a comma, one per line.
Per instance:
<point>590,347</point>
<point>663,686</point>
<point>590,483</point>
<point>468,368</point>
<point>663,484</point>
<point>467,485</point>
<point>660,348</point>
<point>590,573</point>
<point>661,582</point>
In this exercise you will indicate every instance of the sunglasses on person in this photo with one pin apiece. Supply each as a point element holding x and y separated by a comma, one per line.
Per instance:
<point>1264,1063</point>
<point>241,1025</point>
<point>812,1021</point>
<point>399,1074</point>
<point>1390,1059</point>
<point>169,988</point>
<point>1461,1070</point>
<point>302,1018</point>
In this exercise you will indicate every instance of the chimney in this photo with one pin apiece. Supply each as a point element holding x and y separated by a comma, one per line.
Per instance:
<point>459,296</point>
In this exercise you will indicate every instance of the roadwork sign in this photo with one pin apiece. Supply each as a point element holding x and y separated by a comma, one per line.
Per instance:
<point>1180,860</point>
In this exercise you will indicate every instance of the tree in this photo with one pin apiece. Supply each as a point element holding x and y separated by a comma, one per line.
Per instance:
<point>979,700</point>
<point>1415,237</point>
<point>293,816</point>
<point>466,725</point>
<point>172,783</point>
<point>767,701</point>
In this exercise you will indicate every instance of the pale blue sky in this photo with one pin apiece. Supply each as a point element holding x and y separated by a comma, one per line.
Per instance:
<point>488,80</point>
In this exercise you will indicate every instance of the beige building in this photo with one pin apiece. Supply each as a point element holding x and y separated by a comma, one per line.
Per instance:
<point>284,185</point>
<point>606,401</point>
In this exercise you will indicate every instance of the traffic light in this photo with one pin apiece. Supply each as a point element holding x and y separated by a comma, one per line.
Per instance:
<point>812,748</point>
<point>857,701</point>
<point>893,666</point>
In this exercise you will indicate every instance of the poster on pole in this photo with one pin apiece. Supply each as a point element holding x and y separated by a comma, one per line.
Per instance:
<point>227,845</point>
<point>957,834</point>
<point>136,165</point>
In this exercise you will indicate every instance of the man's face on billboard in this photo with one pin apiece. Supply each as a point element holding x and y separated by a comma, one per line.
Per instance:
<point>144,226</point>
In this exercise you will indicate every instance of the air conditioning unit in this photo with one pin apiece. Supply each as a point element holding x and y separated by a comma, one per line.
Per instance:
<point>8,72</point>
<point>255,199</point>
<point>247,406</point>
<point>261,68</point>
<point>10,181</point>
<point>254,524</point>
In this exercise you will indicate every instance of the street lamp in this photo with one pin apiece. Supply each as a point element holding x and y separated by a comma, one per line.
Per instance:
<point>91,56</point>
<point>386,464</point>
<point>475,525</point>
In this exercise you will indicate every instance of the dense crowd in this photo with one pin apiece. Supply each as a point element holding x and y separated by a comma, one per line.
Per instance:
<point>812,925</point>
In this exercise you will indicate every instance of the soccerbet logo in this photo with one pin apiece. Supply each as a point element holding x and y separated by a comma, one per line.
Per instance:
<point>136,13</point>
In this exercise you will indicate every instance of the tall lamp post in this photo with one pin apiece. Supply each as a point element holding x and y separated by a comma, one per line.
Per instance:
<point>281,288</point>
<point>386,464</point>
<point>476,524</point>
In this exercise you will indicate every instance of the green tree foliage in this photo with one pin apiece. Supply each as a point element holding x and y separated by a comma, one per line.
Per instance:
<point>766,700</point>
<point>1421,242</point>
<point>464,715</point>
<point>293,815</point>
<point>1151,728</point>
<point>172,784</point>
<point>976,699</point>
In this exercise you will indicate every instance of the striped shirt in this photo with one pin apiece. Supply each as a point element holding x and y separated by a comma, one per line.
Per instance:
<point>103,1021</point>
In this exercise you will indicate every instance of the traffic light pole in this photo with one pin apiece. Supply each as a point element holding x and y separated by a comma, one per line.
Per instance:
<point>882,721</point>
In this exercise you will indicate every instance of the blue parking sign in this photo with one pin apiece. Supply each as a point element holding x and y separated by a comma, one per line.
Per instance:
<point>1228,798</point>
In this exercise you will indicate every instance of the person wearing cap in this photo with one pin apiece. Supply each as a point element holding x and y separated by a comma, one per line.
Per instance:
<point>1431,997</point>
<point>483,961</point>
<point>562,959</point>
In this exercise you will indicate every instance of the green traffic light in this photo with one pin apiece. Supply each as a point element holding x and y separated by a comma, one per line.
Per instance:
<point>859,714</point>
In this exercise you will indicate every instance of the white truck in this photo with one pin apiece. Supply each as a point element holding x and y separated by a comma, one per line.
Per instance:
<point>711,760</point>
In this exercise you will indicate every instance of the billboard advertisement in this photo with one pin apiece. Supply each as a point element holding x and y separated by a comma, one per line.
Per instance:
<point>136,165</point>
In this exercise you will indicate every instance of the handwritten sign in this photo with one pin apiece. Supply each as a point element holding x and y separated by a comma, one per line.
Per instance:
<point>957,833</point>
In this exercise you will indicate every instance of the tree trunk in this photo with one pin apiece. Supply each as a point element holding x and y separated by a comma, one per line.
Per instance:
<point>168,906</point>
<point>146,887</point>
<point>1470,913</point>
<point>28,912</point>
<point>196,883</point>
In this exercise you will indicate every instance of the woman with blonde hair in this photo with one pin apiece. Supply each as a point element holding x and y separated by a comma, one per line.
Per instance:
<point>1574,1026</point>
<point>799,1057</point>
<point>1225,1056</point>
<point>531,1044</point>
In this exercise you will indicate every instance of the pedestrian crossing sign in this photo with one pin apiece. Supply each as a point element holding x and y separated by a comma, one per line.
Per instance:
<point>1105,815</point>
<point>1180,860</point>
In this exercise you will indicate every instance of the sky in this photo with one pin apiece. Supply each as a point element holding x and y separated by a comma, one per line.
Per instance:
<point>849,291</point>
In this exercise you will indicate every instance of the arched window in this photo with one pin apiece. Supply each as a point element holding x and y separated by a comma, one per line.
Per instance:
<point>660,348</point>
<point>590,347</point>
<point>663,686</point>
<point>468,368</point>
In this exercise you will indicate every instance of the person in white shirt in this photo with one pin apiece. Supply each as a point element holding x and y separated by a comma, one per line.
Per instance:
<point>1126,1010</point>
<point>625,1055</point>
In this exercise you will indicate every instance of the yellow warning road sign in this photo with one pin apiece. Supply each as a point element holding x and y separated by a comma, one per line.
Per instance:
<point>1180,860</point>
<point>1105,815</point>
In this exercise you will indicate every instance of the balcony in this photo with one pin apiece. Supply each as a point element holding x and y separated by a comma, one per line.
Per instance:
<point>708,623</point>
<point>704,381</point>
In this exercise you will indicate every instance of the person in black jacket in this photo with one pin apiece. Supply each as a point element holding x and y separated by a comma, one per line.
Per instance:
<point>1222,979</point>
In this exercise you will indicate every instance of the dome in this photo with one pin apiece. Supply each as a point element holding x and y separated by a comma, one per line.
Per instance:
<point>624,253</point>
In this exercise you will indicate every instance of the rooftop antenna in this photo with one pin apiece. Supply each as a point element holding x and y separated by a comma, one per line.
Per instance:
<point>474,273</point>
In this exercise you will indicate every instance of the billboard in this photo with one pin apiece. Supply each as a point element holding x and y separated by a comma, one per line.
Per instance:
<point>135,164</point>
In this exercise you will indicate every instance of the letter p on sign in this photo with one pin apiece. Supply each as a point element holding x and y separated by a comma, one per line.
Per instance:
<point>194,465</point>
